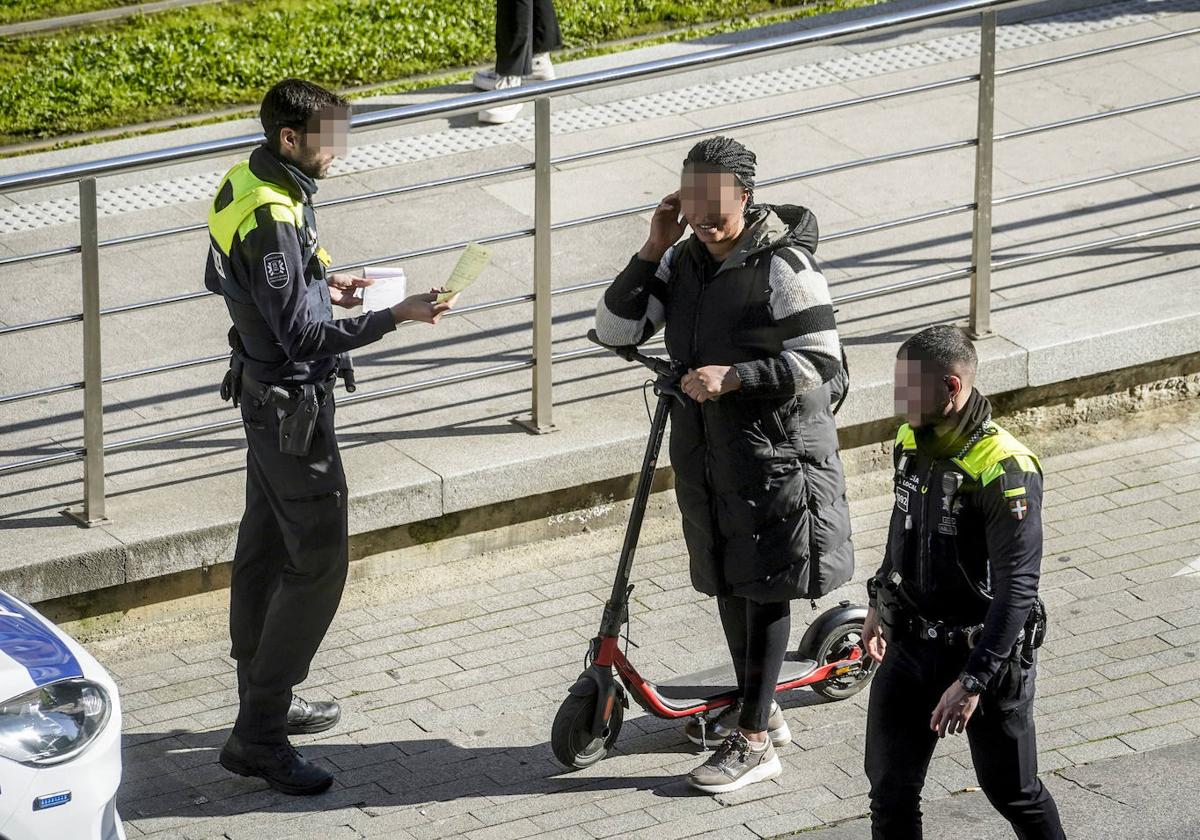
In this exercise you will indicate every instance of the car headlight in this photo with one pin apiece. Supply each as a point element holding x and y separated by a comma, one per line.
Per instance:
<point>53,723</point>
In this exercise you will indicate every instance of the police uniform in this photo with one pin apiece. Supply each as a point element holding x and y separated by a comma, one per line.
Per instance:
<point>957,599</point>
<point>290,562</point>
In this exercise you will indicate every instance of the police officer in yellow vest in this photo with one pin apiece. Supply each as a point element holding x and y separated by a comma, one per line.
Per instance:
<point>954,616</point>
<point>290,562</point>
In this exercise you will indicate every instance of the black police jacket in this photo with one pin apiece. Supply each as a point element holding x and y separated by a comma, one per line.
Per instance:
<point>272,275</point>
<point>966,533</point>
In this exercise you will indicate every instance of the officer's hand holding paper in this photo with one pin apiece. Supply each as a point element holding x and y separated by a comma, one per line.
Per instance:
<point>388,289</point>
<point>344,289</point>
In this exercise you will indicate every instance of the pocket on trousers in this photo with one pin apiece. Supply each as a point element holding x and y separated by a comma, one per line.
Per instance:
<point>336,496</point>
<point>1013,688</point>
<point>1015,721</point>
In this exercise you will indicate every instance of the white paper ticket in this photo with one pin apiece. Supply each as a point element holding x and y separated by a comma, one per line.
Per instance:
<point>388,289</point>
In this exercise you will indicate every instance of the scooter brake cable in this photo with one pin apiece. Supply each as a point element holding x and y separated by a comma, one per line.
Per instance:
<point>649,383</point>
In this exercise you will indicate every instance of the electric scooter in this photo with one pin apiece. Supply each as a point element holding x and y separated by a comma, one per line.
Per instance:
<point>831,658</point>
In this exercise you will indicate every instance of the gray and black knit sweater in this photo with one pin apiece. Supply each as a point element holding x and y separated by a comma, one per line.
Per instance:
<point>802,325</point>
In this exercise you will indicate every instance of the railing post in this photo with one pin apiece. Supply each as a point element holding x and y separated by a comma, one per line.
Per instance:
<point>980,324</point>
<point>92,511</point>
<point>542,420</point>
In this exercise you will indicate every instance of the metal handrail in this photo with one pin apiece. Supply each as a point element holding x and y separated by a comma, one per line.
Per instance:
<point>849,233</point>
<point>830,169</point>
<point>640,144</point>
<point>525,167</point>
<point>1091,118</point>
<point>981,263</point>
<point>472,103</point>
<point>524,364</point>
<point>1095,51</point>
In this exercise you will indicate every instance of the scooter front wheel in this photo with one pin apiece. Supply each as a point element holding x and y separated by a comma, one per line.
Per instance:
<point>837,646</point>
<point>571,736</point>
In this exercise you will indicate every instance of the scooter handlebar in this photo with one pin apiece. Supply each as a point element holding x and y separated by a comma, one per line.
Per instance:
<point>630,353</point>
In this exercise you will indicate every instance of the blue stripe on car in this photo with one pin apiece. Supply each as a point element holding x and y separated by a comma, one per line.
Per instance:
<point>26,639</point>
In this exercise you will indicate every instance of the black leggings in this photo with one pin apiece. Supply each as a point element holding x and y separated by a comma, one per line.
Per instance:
<point>758,639</point>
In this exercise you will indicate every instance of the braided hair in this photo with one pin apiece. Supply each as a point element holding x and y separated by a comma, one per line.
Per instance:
<point>727,155</point>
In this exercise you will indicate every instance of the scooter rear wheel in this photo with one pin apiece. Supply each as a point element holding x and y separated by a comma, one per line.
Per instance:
<point>836,646</point>
<point>571,736</point>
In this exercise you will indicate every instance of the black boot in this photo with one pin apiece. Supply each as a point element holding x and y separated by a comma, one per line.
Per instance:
<point>278,764</point>
<point>305,718</point>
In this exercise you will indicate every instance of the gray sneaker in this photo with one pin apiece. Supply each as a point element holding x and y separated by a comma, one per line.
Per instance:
<point>736,764</point>
<point>719,726</point>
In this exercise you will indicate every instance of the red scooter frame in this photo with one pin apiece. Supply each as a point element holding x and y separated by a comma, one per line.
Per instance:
<point>831,657</point>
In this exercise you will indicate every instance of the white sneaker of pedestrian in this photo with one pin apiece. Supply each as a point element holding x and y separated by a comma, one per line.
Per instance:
<point>543,71</point>
<point>485,79</point>
<point>503,113</point>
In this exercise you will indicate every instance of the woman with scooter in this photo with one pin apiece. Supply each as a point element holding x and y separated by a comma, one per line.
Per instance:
<point>753,445</point>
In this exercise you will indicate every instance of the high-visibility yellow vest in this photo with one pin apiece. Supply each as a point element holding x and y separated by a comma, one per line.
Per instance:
<point>250,192</point>
<point>984,461</point>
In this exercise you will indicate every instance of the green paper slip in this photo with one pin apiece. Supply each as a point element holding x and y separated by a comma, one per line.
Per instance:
<point>470,265</point>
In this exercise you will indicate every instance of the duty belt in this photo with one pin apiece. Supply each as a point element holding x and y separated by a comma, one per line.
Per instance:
<point>286,395</point>
<point>950,635</point>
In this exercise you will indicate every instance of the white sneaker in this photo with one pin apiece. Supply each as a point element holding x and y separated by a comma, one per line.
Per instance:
<point>503,113</point>
<point>543,71</point>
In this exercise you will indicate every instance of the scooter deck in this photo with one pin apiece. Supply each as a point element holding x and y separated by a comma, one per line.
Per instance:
<point>684,691</point>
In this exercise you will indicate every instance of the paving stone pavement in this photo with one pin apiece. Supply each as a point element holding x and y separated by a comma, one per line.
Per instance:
<point>450,693</point>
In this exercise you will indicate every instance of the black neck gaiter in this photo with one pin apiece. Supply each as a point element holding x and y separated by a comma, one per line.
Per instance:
<point>974,414</point>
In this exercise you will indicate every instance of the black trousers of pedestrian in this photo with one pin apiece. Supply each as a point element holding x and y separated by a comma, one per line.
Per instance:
<point>524,28</point>
<point>289,567</point>
<point>757,635</point>
<point>906,689</point>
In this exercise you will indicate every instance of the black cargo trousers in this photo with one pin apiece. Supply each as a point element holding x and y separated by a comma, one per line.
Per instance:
<point>905,691</point>
<point>289,567</point>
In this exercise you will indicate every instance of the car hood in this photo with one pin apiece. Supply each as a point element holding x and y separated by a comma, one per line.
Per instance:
<point>33,652</point>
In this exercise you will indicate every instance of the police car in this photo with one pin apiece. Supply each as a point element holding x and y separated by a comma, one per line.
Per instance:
<point>60,734</point>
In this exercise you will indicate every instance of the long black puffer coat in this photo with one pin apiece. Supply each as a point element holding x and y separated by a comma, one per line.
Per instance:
<point>757,472</point>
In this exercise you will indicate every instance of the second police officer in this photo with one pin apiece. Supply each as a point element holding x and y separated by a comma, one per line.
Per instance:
<point>954,615</point>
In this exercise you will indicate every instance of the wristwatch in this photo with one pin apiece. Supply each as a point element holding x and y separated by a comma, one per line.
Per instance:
<point>970,684</point>
<point>872,590</point>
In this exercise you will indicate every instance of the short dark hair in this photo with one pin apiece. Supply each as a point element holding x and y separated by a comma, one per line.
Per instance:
<point>946,346</point>
<point>292,103</point>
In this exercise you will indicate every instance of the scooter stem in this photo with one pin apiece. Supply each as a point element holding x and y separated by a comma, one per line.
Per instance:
<point>617,608</point>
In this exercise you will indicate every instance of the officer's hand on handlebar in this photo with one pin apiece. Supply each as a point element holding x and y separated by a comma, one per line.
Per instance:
<point>873,635</point>
<point>665,228</point>
<point>953,711</point>
<point>710,382</point>
<point>424,308</point>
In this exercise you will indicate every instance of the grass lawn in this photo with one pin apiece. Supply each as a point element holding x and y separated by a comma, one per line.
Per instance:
<point>16,11</point>
<point>206,58</point>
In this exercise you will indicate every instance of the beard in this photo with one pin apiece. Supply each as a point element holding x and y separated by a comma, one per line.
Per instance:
<point>313,166</point>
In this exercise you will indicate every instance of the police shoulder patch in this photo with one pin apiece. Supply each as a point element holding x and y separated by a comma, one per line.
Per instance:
<point>276,268</point>
<point>1018,507</point>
